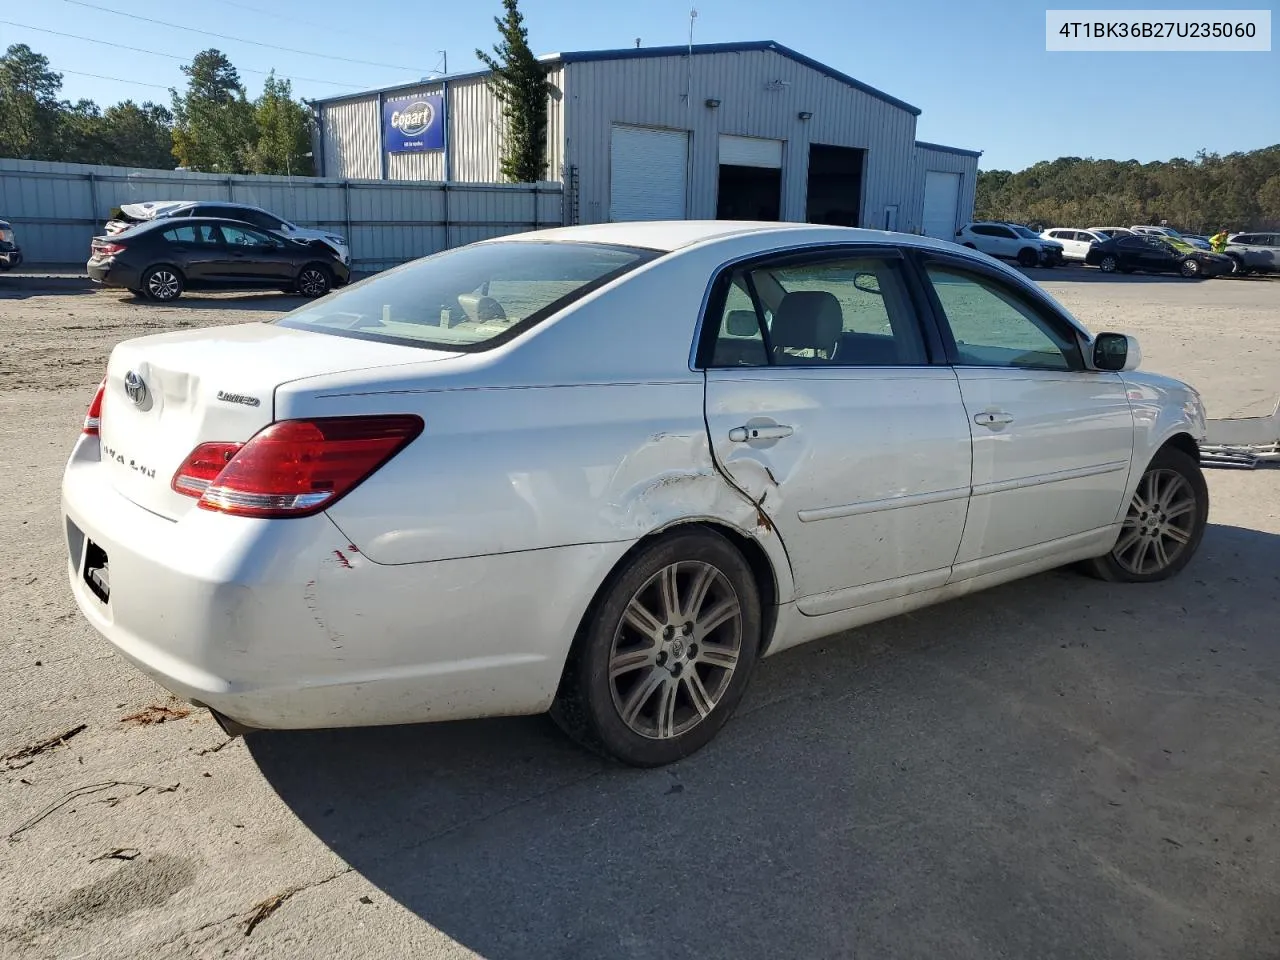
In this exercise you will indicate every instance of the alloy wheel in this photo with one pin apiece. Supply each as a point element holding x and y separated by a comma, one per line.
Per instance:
<point>162,284</point>
<point>312,283</point>
<point>675,650</point>
<point>1159,524</point>
<point>1108,265</point>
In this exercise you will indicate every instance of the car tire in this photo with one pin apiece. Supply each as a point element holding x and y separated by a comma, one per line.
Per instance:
<point>1191,270</point>
<point>1108,264</point>
<point>1027,257</point>
<point>1164,523</point>
<point>651,679</point>
<point>314,281</point>
<point>162,283</point>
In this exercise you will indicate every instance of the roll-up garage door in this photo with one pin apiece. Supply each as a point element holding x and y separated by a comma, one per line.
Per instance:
<point>648,173</point>
<point>941,204</point>
<point>750,152</point>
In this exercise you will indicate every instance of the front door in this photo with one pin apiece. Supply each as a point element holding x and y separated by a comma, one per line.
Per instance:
<point>252,257</point>
<point>1052,440</point>
<point>823,408</point>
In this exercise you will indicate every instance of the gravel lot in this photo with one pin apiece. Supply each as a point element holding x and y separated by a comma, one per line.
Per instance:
<point>1055,768</point>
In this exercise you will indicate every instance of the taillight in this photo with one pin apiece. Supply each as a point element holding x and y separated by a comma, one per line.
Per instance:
<point>202,467</point>
<point>294,468</point>
<point>107,249</point>
<point>93,419</point>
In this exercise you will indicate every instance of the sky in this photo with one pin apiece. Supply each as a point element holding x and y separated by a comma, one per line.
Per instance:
<point>978,69</point>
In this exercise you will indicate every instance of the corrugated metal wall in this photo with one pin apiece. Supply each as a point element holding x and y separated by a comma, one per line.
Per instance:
<point>353,141</point>
<point>761,94</point>
<point>947,162</point>
<point>56,208</point>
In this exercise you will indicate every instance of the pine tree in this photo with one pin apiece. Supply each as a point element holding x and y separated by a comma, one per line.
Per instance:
<point>519,82</point>
<point>213,120</point>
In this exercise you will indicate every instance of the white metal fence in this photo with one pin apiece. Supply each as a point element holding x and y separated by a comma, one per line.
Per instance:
<point>56,208</point>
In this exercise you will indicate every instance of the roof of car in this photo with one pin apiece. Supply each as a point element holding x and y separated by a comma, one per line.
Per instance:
<point>669,235</point>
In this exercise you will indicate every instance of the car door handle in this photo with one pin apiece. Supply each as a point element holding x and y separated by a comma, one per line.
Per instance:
<point>765,432</point>
<point>992,420</point>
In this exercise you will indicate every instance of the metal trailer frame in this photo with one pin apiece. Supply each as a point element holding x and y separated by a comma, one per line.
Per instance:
<point>1243,442</point>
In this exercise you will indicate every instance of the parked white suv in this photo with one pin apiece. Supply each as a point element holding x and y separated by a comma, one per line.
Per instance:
<point>1010,241</point>
<point>1075,242</point>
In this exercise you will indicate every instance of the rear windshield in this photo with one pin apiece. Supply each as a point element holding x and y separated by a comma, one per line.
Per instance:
<point>469,298</point>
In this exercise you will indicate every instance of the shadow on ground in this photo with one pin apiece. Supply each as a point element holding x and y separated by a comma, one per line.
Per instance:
<point>257,300</point>
<point>1055,768</point>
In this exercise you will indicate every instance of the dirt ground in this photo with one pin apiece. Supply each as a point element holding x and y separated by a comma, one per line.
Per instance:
<point>1055,768</point>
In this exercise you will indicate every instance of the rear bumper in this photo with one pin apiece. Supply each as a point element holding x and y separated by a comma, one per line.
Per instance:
<point>282,624</point>
<point>112,274</point>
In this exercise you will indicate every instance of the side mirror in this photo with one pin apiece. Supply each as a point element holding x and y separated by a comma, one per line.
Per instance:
<point>1116,351</point>
<point>867,283</point>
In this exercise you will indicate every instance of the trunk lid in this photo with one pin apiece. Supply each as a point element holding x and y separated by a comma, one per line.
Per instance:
<point>169,393</point>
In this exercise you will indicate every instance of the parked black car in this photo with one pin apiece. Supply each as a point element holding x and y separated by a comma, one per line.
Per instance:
<point>1153,254</point>
<point>10,252</point>
<point>160,259</point>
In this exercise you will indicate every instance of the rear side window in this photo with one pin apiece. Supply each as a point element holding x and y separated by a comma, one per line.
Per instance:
<point>982,230</point>
<point>844,312</point>
<point>469,298</point>
<point>198,233</point>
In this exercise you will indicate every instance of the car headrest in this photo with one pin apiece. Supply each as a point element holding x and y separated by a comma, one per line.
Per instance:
<point>742,323</point>
<point>479,308</point>
<point>808,320</point>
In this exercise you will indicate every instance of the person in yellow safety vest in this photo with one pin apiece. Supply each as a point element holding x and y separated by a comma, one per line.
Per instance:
<point>1218,241</point>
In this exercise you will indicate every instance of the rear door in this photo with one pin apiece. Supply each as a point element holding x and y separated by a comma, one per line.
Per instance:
<point>1052,440</point>
<point>822,406</point>
<point>194,248</point>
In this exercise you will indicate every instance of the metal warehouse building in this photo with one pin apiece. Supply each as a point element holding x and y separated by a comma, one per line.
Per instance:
<point>730,131</point>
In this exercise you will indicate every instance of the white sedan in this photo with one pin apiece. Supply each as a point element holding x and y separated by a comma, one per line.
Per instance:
<point>602,471</point>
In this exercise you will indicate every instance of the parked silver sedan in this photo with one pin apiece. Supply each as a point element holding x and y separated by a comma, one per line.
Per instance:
<point>602,471</point>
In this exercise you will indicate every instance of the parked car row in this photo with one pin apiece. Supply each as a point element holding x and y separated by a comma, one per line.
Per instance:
<point>1151,249</point>
<point>1152,253</point>
<point>130,214</point>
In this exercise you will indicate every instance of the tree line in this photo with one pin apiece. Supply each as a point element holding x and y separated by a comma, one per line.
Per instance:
<point>1239,191</point>
<point>210,126</point>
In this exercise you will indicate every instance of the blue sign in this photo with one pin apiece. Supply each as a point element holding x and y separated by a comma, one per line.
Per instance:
<point>413,124</point>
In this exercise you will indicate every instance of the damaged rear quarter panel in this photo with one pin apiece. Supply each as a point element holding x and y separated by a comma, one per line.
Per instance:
<point>499,470</point>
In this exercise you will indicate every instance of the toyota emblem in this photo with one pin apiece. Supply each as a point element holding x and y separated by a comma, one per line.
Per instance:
<point>135,388</point>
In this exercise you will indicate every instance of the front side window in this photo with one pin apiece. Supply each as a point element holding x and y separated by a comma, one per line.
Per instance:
<point>245,237</point>
<point>469,298</point>
<point>844,312</point>
<point>994,327</point>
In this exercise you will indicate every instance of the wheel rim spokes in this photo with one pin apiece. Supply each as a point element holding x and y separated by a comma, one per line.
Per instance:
<point>1158,525</point>
<point>163,284</point>
<point>675,649</point>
